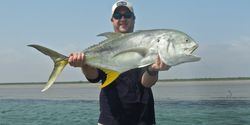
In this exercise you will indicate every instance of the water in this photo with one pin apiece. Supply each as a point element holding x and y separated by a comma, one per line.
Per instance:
<point>205,112</point>
<point>77,112</point>
<point>196,103</point>
<point>48,112</point>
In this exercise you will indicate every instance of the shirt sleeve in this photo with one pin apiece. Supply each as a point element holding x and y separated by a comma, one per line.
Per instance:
<point>101,76</point>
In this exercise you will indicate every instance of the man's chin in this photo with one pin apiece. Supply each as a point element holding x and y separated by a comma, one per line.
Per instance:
<point>123,30</point>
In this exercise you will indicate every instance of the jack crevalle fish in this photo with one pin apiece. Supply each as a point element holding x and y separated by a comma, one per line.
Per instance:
<point>122,52</point>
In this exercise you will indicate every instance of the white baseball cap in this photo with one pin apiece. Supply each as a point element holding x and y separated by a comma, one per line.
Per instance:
<point>122,3</point>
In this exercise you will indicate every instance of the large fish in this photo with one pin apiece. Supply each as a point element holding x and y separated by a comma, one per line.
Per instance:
<point>122,52</point>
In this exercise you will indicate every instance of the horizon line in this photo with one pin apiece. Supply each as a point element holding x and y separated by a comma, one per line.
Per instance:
<point>160,80</point>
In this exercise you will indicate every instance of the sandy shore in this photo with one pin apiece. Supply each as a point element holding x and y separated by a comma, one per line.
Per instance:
<point>178,90</point>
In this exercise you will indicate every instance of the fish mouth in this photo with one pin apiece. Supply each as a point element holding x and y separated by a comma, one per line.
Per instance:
<point>193,49</point>
<point>190,54</point>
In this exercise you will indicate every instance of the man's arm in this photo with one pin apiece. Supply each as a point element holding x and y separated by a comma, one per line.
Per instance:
<point>150,76</point>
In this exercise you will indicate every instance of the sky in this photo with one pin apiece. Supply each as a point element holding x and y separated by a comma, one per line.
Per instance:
<point>220,27</point>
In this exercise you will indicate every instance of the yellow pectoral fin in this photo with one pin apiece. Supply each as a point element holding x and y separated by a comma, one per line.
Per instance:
<point>111,76</point>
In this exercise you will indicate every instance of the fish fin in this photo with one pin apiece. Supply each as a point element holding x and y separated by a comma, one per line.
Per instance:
<point>51,53</point>
<point>110,35</point>
<point>60,61</point>
<point>111,76</point>
<point>131,57</point>
<point>141,51</point>
<point>58,67</point>
<point>140,30</point>
<point>145,65</point>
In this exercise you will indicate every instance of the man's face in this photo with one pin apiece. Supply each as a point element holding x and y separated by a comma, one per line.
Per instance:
<point>123,24</point>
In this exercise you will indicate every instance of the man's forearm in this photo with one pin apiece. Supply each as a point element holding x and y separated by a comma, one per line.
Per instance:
<point>149,78</point>
<point>89,72</point>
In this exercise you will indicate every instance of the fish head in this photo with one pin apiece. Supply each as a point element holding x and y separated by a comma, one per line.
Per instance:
<point>176,47</point>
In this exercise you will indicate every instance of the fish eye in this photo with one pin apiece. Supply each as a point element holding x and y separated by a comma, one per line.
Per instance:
<point>186,40</point>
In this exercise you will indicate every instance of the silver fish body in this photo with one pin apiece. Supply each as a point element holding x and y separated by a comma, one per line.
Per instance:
<point>122,52</point>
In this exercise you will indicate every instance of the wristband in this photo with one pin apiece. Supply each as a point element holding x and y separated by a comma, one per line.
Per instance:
<point>151,73</point>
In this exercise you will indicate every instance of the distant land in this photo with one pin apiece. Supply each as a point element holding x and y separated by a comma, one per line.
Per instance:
<point>161,80</point>
<point>207,79</point>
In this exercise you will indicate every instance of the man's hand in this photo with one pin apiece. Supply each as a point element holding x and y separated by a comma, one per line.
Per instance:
<point>150,77</point>
<point>158,65</point>
<point>77,59</point>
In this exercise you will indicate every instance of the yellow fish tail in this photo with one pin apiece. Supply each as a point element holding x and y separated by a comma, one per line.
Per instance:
<point>60,61</point>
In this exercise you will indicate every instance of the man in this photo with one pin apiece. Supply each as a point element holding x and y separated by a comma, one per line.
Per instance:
<point>129,99</point>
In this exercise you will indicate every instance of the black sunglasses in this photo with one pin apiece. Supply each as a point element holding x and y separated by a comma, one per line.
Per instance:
<point>126,15</point>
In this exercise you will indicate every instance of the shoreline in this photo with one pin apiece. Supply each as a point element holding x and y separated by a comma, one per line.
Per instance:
<point>159,81</point>
<point>178,90</point>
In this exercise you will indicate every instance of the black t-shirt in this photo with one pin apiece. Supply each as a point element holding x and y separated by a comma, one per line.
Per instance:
<point>125,101</point>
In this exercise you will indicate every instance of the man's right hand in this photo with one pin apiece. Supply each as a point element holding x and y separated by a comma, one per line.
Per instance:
<point>77,59</point>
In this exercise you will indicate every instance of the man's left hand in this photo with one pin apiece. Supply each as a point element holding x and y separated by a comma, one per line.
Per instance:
<point>159,65</point>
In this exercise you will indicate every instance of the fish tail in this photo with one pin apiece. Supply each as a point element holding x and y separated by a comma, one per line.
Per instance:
<point>60,61</point>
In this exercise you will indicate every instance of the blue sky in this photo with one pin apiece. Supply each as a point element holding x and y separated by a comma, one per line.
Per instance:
<point>221,27</point>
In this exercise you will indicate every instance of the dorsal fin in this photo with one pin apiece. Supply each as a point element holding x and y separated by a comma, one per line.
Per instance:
<point>111,35</point>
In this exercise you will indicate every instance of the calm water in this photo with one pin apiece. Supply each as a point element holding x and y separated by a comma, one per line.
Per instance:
<point>203,103</point>
<point>77,112</point>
